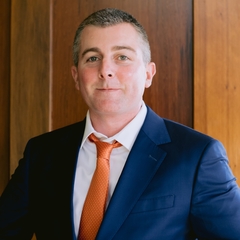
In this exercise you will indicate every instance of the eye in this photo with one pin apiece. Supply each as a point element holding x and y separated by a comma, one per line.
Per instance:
<point>123,57</point>
<point>92,59</point>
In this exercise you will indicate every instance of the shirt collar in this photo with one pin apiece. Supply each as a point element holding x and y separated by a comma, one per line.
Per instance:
<point>126,136</point>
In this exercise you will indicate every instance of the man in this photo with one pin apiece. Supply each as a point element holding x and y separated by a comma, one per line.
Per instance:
<point>166,181</point>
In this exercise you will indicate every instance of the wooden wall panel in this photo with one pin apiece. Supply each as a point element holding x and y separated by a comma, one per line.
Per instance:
<point>5,9</point>
<point>217,73</point>
<point>169,26</point>
<point>170,32</point>
<point>29,73</point>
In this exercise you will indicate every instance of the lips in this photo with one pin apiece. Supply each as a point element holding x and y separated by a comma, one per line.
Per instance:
<point>108,89</point>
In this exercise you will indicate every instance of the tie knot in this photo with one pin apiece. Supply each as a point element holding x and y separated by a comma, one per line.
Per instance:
<point>104,149</point>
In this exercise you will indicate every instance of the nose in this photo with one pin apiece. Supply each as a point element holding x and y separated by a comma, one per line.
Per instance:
<point>106,70</point>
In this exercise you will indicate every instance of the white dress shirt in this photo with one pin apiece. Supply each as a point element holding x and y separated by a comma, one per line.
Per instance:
<point>87,160</point>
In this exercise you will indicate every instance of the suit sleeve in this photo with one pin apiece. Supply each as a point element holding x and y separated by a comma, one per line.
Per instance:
<point>14,205</point>
<point>215,211</point>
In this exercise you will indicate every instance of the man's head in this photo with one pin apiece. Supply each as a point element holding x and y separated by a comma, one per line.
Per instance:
<point>110,17</point>
<point>112,67</point>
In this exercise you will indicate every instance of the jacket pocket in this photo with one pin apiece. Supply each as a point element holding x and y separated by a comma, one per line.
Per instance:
<point>152,204</point>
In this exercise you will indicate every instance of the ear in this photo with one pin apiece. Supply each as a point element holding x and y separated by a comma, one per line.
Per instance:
<point>150,72</point>
<point>74,72</point>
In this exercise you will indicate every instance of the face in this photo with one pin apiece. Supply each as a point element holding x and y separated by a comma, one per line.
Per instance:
<point>111,74</point>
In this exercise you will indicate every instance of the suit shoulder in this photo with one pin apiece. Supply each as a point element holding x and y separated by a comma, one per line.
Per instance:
<point>177,130</point>
<point>186,139</point>
<point>62,134</point>
<point>168,131</point>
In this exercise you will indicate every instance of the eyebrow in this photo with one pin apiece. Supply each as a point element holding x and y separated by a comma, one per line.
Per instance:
<point>90,50</point>
<point>115,48</point>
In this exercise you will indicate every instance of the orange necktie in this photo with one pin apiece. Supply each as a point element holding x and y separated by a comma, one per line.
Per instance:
<point>95,203</point>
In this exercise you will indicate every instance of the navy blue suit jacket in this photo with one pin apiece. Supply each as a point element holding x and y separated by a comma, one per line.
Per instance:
<point>176,184</point>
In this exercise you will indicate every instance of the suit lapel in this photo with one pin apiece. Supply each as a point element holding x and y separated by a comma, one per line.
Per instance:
<point>143,162</point>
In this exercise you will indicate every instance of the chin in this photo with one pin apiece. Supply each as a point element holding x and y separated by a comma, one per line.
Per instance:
<point>109,110</point>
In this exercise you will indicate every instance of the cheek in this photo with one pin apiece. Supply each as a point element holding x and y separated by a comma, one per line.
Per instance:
<point>126,75</point>
<point>86,77</point>
<point>135,78</point>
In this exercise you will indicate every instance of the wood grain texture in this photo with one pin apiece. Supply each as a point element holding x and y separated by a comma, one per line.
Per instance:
<point>217,73</point>
<point>5,9</point>
<point>169,26</point>
<point>29,74</point>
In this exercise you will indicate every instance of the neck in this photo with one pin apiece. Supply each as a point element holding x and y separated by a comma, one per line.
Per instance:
<point>110,125</point>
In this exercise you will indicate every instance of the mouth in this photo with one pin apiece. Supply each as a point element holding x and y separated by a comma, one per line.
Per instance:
<point>108,89</point>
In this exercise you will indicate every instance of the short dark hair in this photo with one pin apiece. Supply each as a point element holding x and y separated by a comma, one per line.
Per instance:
<point>110,17</point>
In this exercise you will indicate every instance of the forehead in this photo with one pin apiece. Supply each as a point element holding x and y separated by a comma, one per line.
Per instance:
<point>120,34</point>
